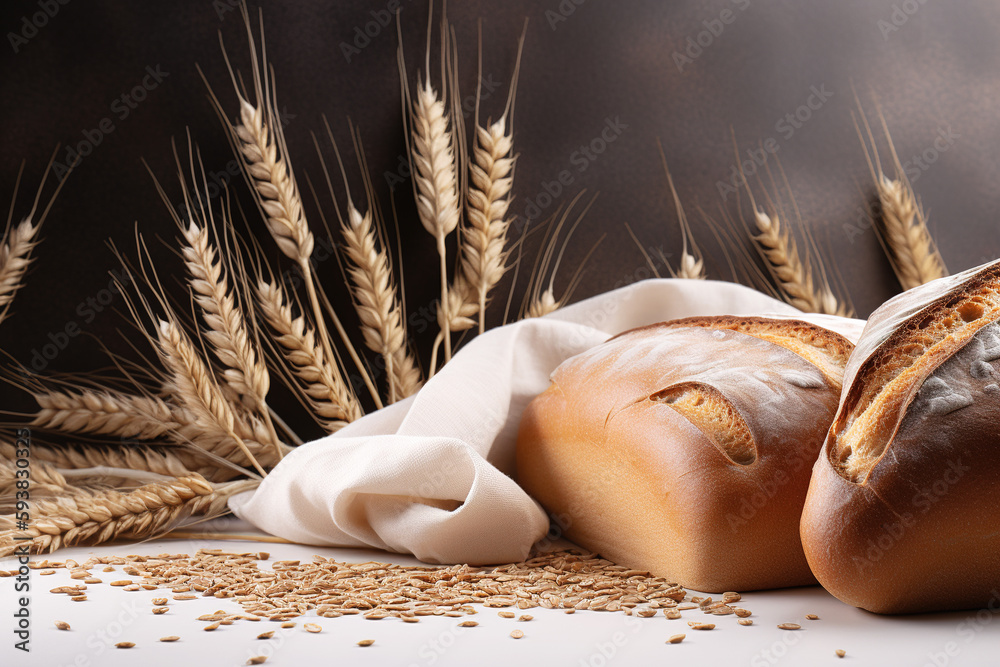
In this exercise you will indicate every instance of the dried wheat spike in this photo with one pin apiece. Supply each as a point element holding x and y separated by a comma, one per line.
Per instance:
<point>544,304</point>
<point>15,257</point>
<point>377,303</point>
<point>227,332</point>
<point>793,277</point>
<point>460,306</point>
<point>45,478</point>
<point>436,182</point>
<point>108,413</point>
<point>485,235</point>
<point>91,518</point>
<point>434,158</point>
<point>916,259</point>
<point>691,268</point>
<point>279,195</point>
<point>198,391</point>
<point>171,461</point>
<point>331,399</point>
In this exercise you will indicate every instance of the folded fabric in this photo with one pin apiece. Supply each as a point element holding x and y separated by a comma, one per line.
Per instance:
<point>431,475</point>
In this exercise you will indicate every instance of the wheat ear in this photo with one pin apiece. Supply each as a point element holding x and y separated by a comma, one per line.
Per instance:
<point>916,257</point>
<point>543,304</point>
<point>692,266</point>
<point>197,389</point>
<point>131,417</point>
<point>107,413</point>
<point>377,303</point>
<point>485,235</point>
<point>540,302</point>
<point>329,396</point>
<point>262,146</point>
<point>436,181</point>
<point>15,257</point>
<point>45,478</point>
<point>94,518</point>
<point>227,332</point>
<point>912,252</point>
<point>793,277</point>
<point>169,460</point>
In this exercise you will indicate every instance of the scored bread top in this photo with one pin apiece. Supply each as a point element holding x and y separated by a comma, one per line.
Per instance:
<point>826,350</point>
<point>905,340</point>
<point>733,378</point>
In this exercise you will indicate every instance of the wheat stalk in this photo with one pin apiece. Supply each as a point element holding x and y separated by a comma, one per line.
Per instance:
<point>130,417</point>
<point>227,333</point>
<point>282,205</point>
<point>168,461</point>
<point>108,413</point>
<point>692,266</point>
<point>916,257</point>
<point>45,478</point>
<point>912,252</point>
<point>279,195</point>
<point>92,518</point>
<point>330,397</point>
<point>544,304</point>
<point>485,234</point>
<point>377,303</point>
<point>15,257</point>
<point>794,278</point>
<point>198,391</point>
<point>437,186</point>
<point>793,275</point>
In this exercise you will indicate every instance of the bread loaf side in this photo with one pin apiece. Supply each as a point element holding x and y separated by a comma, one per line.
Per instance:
<point>684,448</point>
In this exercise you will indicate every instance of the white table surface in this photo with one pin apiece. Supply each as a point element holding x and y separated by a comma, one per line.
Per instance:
<point>553,638</point>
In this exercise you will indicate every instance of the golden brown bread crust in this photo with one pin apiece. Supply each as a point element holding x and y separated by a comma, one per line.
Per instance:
<point>684,448</point>
<point>903,511</point>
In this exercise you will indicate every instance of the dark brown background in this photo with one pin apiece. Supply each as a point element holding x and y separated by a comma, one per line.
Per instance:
<point>605,60</point>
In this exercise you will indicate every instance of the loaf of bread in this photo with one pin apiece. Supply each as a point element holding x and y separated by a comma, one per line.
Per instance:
<point>685,448</point>
<point>903,511</point>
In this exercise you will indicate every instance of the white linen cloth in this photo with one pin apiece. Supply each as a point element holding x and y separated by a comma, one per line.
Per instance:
<point>430,475</point>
